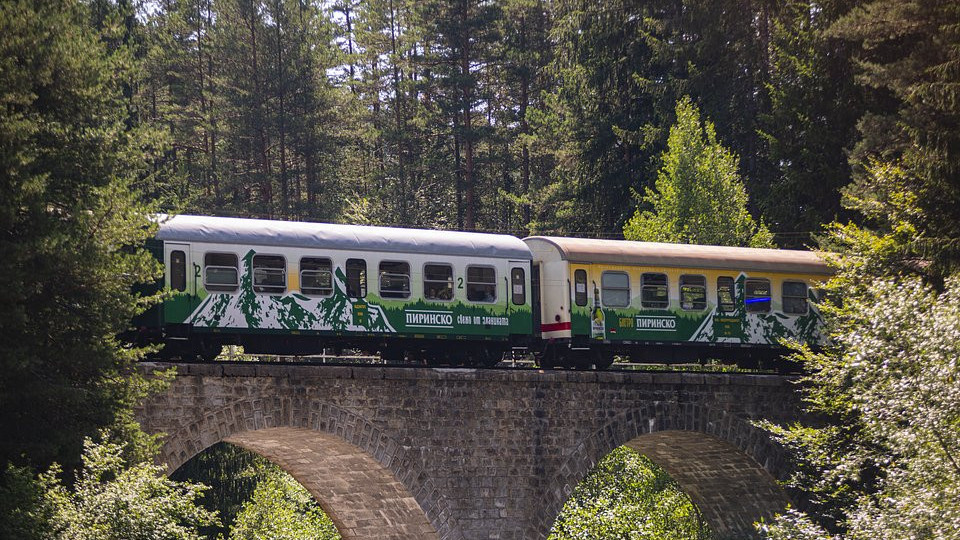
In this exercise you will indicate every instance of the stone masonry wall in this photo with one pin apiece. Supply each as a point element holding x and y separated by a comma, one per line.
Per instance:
<point>480,454</point>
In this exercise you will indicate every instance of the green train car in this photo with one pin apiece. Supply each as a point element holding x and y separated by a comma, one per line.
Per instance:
<point>298,288</point>
<point>451,298</point>
<point>659,302</point>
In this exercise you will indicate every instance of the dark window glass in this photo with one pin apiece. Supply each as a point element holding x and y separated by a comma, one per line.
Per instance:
<point>178,271</point>
<point>693,292</point>
<point>580,287</point>
<point>438,282</point>
<point>269,274</point>
<point>653,291</point>
<point>356,278</point>
<point>220,272</point>
<point>316,276</point>
<point>394,279</point>
<point>725,294</point>
<point>757,295</point>
<point>615,289</point>
<point>481,284</point>
<point>518,285</point>
<point>794,297</point>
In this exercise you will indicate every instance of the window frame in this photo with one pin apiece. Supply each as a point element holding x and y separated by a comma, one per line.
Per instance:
<point>362,279</point>
<point>580,298</point>
<point>178,273</point>
<point>220,287</point>
<point>733,295</point>
<point>393,294</point>
<point>646,304</point>
<point>751,299</point>
<point>268,289</point>
<point>702,285</point>
<point>329,271</point>
<point>522,284</point>
<point>448,284</point>
<point>604,288</point>
<point>468,283</point>
<point>804,299</point>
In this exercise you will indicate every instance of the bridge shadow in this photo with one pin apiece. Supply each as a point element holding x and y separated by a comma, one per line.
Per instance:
<point>724,464</point>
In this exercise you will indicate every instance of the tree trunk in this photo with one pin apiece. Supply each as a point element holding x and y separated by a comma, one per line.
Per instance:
<point>282,114</point>
<point>469,213</point>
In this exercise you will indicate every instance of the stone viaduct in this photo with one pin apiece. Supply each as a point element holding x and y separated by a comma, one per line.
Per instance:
<point>398,453</point>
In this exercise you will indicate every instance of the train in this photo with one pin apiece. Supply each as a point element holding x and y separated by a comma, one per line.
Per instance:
<point>438,297</point>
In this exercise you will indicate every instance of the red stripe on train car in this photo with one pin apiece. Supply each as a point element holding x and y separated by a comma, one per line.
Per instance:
<point>555,327</point>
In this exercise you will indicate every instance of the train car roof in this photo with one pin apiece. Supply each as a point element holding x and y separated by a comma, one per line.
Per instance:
<point>624,252</point>
<point>262,232</point>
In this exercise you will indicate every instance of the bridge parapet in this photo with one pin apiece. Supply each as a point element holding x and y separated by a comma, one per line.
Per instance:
<point>463,453</point>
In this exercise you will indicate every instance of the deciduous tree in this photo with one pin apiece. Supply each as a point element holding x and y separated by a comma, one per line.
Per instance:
<point>698,197</point>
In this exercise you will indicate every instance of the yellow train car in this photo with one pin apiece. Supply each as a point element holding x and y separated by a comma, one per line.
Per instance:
<point>671,301</point>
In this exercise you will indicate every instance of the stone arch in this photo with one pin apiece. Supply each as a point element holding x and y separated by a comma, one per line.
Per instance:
<point>329,450</point>
<point>727,466</point>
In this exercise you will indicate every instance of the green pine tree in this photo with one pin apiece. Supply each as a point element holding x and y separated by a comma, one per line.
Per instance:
<point>72,230</point>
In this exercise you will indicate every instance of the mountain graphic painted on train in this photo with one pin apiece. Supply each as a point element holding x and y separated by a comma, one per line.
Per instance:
<point>767,328</point>
<point>289,311</point>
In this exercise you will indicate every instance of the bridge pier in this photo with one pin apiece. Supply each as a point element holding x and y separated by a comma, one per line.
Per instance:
<point>477,454</point>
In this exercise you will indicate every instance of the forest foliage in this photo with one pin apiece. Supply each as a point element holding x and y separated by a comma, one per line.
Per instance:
<point>515,116</point>
<point>626,495</point>
<point>523,116</point>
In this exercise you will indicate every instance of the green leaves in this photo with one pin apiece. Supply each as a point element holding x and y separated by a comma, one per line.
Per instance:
<point>889,466</point>
<point>111,500</point>
<point>698,197</point>
<point>626,496</point>
<point>281,509</point>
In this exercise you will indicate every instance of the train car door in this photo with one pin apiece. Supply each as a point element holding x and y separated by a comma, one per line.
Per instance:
<point>181,278</point>
<point>535,297</point>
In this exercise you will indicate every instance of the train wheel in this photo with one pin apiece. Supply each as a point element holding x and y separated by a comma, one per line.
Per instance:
<point>544,359</point>
<point>392,355</point>
<point>207,351</point>
<point>604,361</point>
<point>490,358</point>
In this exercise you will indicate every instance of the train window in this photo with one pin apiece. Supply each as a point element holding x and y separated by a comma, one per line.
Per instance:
<point>794,297</point>
<point>356,278</point>
<point>438,282</point>
<point>757,295</point>
<point>653,291</point>
<point>725,294</point>
<point>616,289</point>
<point>481,284</point>
<point>269,274</point>
<point>517,283</point>
<point>693,292</point>
<point>394,279</point>
<point>316,276</point>
<point>220,272</point>
<point>178,270</point>
<point>580,287</point>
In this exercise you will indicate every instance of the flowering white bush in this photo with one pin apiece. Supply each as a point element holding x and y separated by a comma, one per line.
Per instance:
<point>892,462</point>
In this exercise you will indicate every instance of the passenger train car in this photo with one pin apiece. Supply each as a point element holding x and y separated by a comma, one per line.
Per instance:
<point>449,298</point>
<point>672,302</point>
